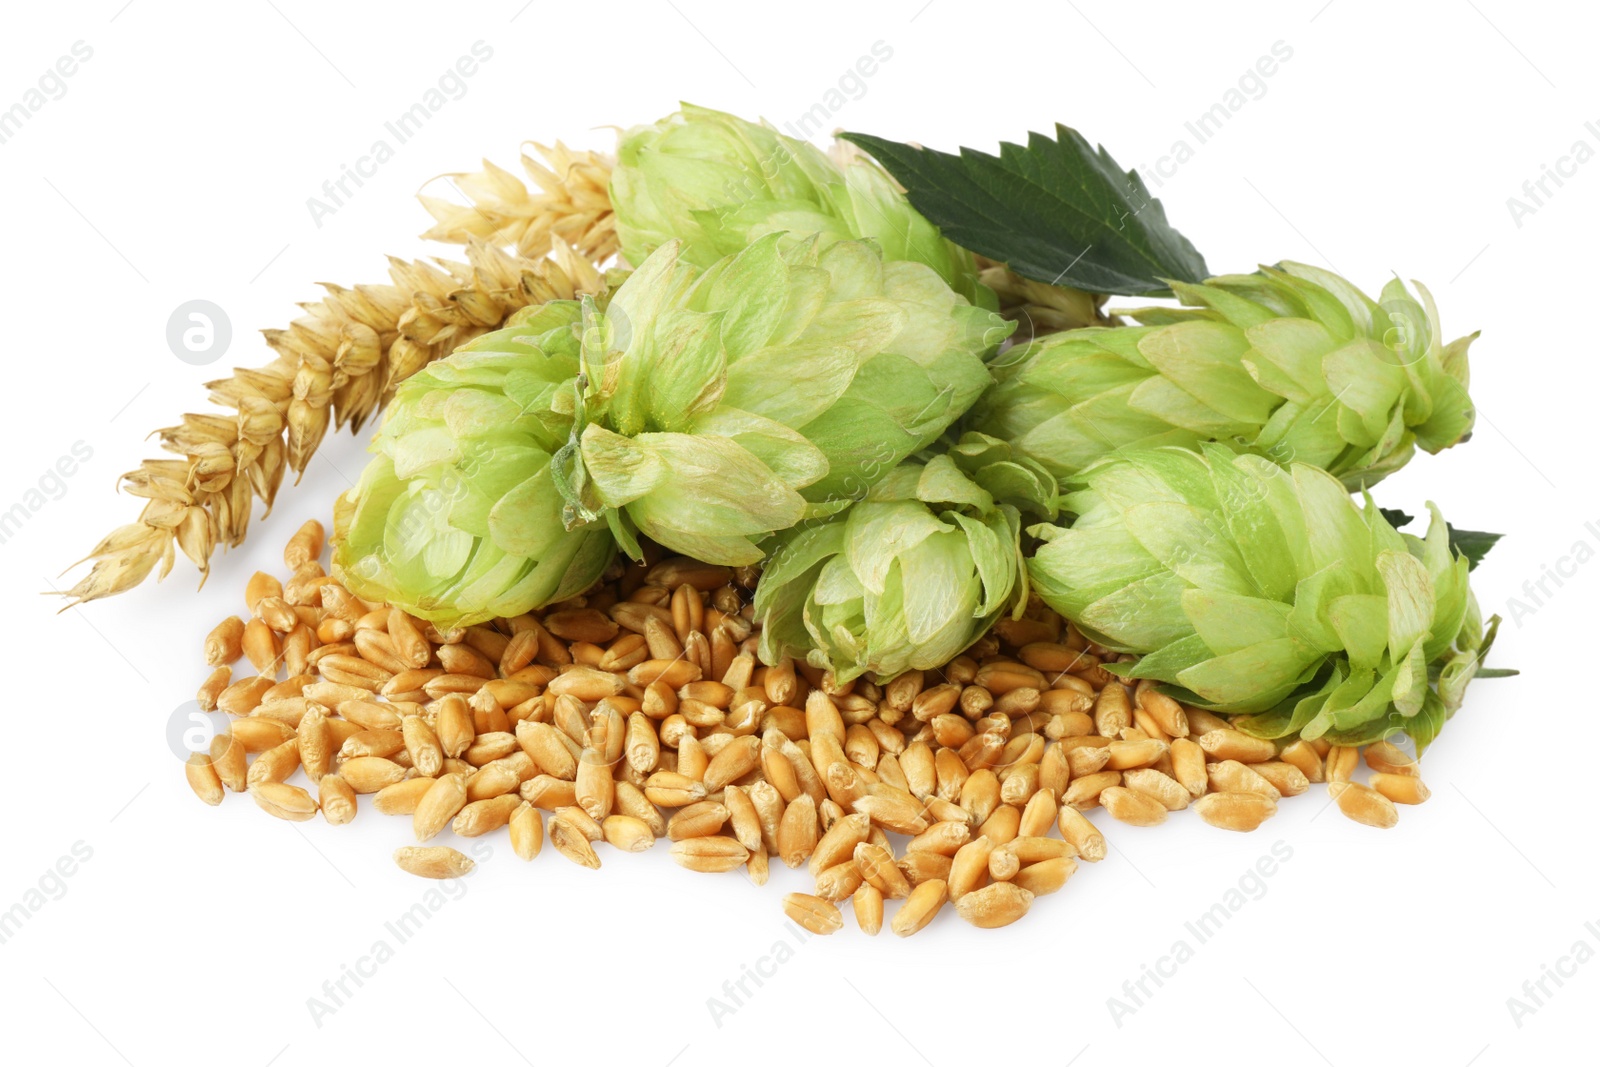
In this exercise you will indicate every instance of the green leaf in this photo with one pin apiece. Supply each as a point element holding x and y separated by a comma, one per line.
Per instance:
<point>1473,544</point>
<point>1058,211</point>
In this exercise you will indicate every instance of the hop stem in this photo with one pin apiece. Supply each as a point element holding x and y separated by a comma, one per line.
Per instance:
<point>1038,308</point>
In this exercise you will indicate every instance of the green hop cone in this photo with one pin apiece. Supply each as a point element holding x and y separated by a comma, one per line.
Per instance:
<point>717,183</point>
<point>1292,363</point>
<point>718,407</point>
<point>457,519</point>
<point>909,577</point>
<point>1266,593</point>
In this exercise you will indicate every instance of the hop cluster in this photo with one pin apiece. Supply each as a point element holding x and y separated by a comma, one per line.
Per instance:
<point>911,576</point>
<point>1293,363</point>
<point>1267,593</point>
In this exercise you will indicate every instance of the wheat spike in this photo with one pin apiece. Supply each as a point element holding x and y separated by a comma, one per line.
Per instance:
<point>338,363</point>
<point>569,202</point>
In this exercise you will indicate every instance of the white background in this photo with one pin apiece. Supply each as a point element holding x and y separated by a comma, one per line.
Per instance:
<point>177,166</point>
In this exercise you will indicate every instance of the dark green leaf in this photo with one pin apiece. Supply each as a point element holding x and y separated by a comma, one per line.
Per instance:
<point>1396,518</point>
<point>1058,211</point>
<point>1474,544</point>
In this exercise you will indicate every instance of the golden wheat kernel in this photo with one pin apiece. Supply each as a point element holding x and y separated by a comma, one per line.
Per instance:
<point>919,907</point>
<point>1235,811</point>
<point>867,903</point>
<point>435,862</point>
<point>995,905</point>
<point>812,913</point>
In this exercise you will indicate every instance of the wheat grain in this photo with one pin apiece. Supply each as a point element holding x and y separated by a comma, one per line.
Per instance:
<point>813,913</point>
<point>203,778</point>
<point>480,817</point>
<point>1045,876</point>
<point>401,798</point>
<point>995,905</point>
<point>711,855</point>
<point>435,862</point>
<point>229,761</point>
<point>1231,776</point>
<point>282,801</point>
<point>1400,788</point>
<point>919,908</point>
<point>1387,758</point>
<point>1235,811</point>
<point>336,799</point>
<point>276,764</point>
<point>1363,804</point>
<point>581,712</point>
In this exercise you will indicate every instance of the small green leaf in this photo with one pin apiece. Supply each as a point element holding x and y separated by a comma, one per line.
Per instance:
<point>1473,544</point>
<point>1058,211</point>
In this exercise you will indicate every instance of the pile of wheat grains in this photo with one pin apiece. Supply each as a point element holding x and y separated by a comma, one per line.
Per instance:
<point>639,711</point>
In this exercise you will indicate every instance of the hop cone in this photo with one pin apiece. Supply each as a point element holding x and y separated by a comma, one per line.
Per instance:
<point>1266,592</point>
<point>718,407</point>
<point>717,183</point>
<point>1293,363</point>
<point>909,577</point>
<point>457,518</point>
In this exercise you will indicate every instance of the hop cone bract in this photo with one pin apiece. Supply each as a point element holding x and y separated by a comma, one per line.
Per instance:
<point>909,577</point>
<point>717,183</point>
<point>1265,592</point>
<point>1293,363</point>
<point>718,407</point>
<point>457,518</point>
